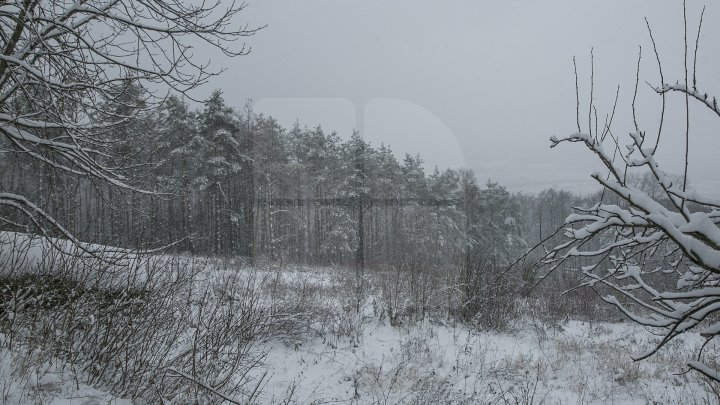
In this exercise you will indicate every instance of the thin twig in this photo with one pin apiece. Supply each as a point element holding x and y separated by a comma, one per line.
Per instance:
<point>662,83</point>
<point>687,108</point>
<point>697,43</point>
<point>637,81</point>
<point>592,88</point>
<point>577,97</point>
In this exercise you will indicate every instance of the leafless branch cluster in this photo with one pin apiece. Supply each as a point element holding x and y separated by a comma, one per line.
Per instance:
<point>658,255</point>
<point>73,71</point>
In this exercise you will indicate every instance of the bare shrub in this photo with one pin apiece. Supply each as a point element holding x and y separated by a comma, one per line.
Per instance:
<point>520,389</point>
<point>149,327</point>
<point>295,306</point>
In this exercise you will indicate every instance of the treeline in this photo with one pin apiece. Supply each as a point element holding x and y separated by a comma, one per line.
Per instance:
<point>218,181</point>
<point>225,182</point>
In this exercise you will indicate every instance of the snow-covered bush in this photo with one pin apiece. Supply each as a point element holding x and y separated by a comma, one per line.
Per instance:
<point>163,329</point>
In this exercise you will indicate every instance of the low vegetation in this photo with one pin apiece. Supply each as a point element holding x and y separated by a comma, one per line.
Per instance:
<point>218,331</point>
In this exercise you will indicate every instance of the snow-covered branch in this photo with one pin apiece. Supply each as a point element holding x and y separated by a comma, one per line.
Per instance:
<point>655,256</point>
<point>708,100</point>
<point>75,75</point>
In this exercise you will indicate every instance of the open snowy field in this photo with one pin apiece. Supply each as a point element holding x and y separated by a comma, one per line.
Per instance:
<point>579,363</point>
<point>433,361</point>
<point>315,337</point>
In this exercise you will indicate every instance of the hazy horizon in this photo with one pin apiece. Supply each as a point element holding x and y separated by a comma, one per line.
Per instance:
<point>477,85</point>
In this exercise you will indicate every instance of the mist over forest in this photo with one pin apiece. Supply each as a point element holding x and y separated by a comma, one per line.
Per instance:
<point>165,242</point>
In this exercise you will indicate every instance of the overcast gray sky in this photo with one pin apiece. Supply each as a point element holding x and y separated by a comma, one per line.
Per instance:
<point>480,84</point>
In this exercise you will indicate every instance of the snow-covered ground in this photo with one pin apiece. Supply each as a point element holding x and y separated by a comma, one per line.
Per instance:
<point>435,363</point>
<point>348,352</point>
<point>55,385</point>
<point>578,362</point>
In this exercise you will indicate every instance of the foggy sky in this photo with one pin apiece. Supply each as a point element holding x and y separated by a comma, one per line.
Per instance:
<point>477,84</point>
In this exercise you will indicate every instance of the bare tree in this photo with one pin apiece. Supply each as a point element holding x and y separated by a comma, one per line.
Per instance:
<point>657,251</point>
<point>66,66</point>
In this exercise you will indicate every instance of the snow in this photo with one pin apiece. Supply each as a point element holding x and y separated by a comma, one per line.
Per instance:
<point>363,359</point>
<point>21,252</point>
<point>569,363</point>
<point>52,386</point>
<point>702,97</point>
<point>580,362</point>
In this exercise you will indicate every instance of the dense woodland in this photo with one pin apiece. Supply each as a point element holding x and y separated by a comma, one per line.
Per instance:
<point>226,182</point>
<point>230,182</point>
